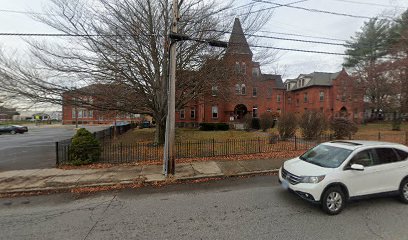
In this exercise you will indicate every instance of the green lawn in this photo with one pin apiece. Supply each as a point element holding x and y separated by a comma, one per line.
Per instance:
<point>182,134</point>
<point>368,131</point>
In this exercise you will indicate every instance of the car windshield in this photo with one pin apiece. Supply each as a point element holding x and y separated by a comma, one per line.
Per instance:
<point>326,156</point>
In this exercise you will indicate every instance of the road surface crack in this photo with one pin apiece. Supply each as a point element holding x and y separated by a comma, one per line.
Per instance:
<point>100,218</point>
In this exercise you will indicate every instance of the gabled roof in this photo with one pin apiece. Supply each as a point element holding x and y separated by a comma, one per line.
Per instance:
<point>237,43</point>
<point>276,78</point>
<point>316,79</point>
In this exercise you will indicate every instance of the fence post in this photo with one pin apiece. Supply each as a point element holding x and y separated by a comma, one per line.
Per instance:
<point>406,137</point>
<point>295,143</point>
<point>379,136</point>
<point>259,144</point>
<point>57,153</point>
<point>213,147</point>
<point>121,152</point>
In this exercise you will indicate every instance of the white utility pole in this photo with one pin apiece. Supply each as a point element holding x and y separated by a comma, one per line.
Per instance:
<point>169,143</point>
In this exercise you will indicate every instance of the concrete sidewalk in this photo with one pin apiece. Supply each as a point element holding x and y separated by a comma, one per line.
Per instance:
<point>53,179</point>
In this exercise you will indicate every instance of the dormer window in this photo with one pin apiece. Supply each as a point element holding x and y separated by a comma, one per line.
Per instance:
<point>255,71</point>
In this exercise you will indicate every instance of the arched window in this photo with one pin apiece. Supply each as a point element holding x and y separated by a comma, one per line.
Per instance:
<point>237,89</point>
<point>243,89</point>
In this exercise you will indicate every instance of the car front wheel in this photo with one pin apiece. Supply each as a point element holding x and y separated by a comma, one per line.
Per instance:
<point>13,132</point>
<point>404,191</point>
<point>333,201</point>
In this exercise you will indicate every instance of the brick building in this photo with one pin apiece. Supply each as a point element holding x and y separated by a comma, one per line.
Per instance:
<point>334,94</point>
<point>79,107</point>
<point>249,92</point>
<point>252,92</point>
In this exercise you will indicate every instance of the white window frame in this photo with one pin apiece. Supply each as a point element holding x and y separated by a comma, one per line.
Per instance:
<point>193,113</point>
<point>254,90</point>
<point>214,110</point>
<point>182,114</point>
<point>254,111</point>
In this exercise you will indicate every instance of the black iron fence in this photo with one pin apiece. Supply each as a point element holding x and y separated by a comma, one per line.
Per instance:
<point>126,153</point>
<point>104,137</point>
<point>112,152</point>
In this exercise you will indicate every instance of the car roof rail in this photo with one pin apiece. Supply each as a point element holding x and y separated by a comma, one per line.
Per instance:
<point>347,142</point>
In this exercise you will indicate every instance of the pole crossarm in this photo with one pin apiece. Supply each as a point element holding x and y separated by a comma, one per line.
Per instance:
<point>178,37</point>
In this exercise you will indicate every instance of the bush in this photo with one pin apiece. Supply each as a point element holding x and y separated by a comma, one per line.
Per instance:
<point>247,122</point>
<point>343,128</point>
<point>266,120</point>
<point>85,148</point>
<point>287,125</point>
<point>256,123</point>
<point>221,127</point>
<point>207,127</point>
<point>312,124</point>
<point>396,122</point>
<point>214,127</point>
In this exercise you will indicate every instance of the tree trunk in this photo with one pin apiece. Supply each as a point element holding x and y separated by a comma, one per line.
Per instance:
<point>160,132</point>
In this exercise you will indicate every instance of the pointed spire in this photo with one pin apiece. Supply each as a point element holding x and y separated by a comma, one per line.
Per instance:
<point>237,42</point>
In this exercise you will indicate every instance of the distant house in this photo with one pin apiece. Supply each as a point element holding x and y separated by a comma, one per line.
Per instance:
<point>81,106</point>
<point>7,113</point>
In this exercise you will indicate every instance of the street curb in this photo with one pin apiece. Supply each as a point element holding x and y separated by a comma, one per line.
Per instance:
<point>125,183</point>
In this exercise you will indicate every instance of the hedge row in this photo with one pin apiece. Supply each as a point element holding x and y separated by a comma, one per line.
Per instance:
<point>214,127</point>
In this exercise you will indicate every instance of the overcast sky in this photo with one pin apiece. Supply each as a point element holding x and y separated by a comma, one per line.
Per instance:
<point>283,20</point>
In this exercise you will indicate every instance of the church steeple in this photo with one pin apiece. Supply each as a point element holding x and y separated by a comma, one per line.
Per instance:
<point>237,42</point>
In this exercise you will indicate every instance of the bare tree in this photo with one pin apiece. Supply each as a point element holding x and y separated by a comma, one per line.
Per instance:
<point>123,46</point>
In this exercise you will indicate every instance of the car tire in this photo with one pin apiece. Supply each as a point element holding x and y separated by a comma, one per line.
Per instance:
<point>13,132</point>
<point>333,201</point>
<point>403,191</point>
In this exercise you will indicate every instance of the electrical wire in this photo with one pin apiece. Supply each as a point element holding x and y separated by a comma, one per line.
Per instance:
<point>284,39</point>
<point>318,10</point>
<point>265,9</point>
<point>301,35</point>
<point>368,4</point>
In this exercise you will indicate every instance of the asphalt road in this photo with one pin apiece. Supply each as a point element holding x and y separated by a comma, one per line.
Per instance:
<point>253,208</point>
<point>34,149</point>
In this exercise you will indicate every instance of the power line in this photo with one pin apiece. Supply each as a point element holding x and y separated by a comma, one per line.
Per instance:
<point>265,9</point>
<point>68,35</point>
<point>25,12</point>
<point>315,10</point>
<point>298,50</point>
<point>369,4</point>
<point>284,39</point>
<point>301,35</point>
<point>248,4</point>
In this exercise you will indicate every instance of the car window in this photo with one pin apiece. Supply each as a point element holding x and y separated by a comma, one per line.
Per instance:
<point>386,155</point>
<point>402,154</point>
<point>326,156</point>
<point>365,158</point>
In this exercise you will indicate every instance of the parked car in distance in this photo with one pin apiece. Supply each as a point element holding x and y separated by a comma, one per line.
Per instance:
<point>13,129</point>
<point>334,172</point>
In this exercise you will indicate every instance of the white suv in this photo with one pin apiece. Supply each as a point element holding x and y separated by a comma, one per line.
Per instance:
<point>333,172</point>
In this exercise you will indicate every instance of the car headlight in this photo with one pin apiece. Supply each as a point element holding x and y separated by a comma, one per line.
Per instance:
<point>312,179</point>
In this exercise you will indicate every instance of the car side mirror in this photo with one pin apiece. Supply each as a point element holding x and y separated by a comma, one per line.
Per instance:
<point>357,167</point>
